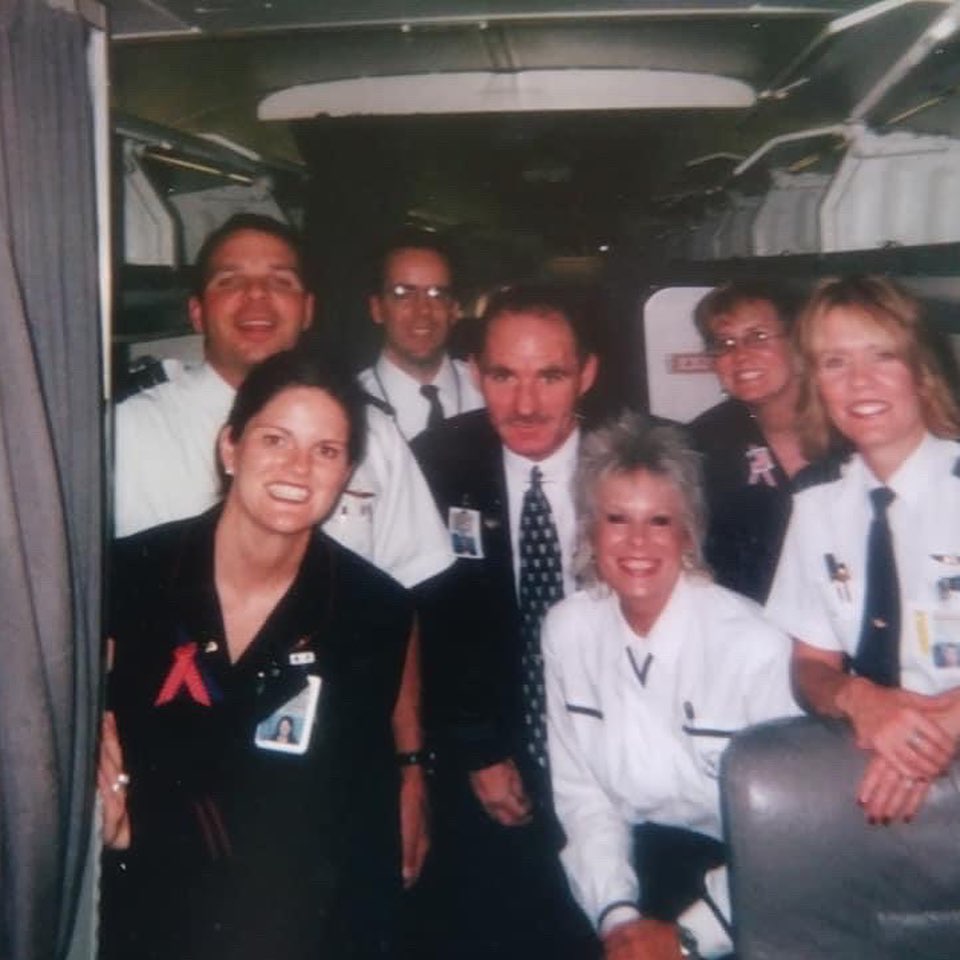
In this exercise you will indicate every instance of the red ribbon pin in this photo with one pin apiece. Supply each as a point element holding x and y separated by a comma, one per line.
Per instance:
<point>183,673</point>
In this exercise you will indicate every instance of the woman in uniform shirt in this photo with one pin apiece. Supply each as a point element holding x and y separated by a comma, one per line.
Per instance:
<point>869,578</point>
<point>228,842</point>
<point>649,672</point>
<point>750,441</point>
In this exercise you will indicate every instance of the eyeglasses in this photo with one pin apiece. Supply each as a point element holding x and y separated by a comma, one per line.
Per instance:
<point>757,339</point>
<point>408,292</point>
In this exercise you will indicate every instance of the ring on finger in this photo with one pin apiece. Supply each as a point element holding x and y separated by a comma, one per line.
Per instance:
<point>914,740</point>
<point>121,783</point>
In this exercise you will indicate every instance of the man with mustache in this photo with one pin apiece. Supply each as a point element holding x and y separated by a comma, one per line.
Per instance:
<point>510,467</point>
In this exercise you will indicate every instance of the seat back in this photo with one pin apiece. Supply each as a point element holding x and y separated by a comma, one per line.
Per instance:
<point>810,878</point>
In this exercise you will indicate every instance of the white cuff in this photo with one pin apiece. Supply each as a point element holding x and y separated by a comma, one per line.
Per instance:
<point>700,919</point>
<point>622,913</point>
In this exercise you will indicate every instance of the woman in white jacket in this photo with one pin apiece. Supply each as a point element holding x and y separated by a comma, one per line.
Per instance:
<point>650,670</point>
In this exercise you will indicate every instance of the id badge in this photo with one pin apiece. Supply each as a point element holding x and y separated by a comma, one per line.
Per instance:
<point>290,727</point>
<point>463,525</point>
<point>945,640</point>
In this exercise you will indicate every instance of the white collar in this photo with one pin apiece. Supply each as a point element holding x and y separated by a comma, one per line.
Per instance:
<point>556,468</point>
<point>212,380</point>
<point>393,377</point>
<point>910,482</point>
<point>673,632</point>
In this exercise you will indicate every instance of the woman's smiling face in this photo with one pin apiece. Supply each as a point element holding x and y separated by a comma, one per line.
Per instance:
<point>752,353</point>
<point>291,461</point>
<point>867,387</point>
<point>639,538</point>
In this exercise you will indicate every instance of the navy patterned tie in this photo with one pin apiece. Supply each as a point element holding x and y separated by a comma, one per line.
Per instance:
<point>878,653</point>
<point>541,586</point>
<point>431,394</point>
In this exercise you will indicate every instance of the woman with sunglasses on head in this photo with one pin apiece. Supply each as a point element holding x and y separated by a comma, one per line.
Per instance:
<point>248,770</point>
<point>869,578</point>
<point>750,441</point>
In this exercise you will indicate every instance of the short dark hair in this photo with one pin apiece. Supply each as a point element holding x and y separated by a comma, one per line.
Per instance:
<point>728,296</point>
<point>543,300</point>
<point>236,224</point>
<point>411,238</point>
<point>298,368</point>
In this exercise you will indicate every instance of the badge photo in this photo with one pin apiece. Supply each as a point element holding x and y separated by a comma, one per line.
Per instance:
<point>946,655</point>
<point>464,527</point>
<point>289,728</point>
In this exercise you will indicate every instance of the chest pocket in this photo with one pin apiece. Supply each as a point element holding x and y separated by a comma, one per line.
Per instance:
<point>707,741</point>
<point>590,730</point>
<point>351,522</point>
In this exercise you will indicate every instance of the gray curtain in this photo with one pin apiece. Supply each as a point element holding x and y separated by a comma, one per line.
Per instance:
<point>50,475</point>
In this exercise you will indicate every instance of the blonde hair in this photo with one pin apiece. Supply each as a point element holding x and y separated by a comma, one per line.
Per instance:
<point>897,312</point>
<point>623,445</point>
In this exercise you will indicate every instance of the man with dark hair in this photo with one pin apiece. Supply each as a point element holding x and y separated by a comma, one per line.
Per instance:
<point>258,223</point>
<point>415,304</point>
<point>510,468</point>
<point>251,301</point>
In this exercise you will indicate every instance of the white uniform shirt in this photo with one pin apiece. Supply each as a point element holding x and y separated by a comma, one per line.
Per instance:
<point>456,392</point>
<point>637,726</point>
<point>829,528</point>
<point>166,470</point>
<point>165,439</point>
<point>557,482</point>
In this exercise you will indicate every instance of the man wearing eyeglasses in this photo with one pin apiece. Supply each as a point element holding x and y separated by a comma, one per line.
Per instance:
<point>750,441</point>
<point>415,304</point>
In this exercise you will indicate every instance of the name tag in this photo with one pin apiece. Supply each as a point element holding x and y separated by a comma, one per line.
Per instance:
<point>463,525</point>
<point>289,728</point>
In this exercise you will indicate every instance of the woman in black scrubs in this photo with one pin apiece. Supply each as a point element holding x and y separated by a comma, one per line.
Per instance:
<point>227,842</point>
<point>750,441</point>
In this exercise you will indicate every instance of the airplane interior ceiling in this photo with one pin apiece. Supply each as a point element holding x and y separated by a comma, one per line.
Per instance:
<point>581,176</point>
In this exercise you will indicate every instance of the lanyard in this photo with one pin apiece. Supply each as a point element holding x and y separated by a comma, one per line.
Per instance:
<point>393,407</point>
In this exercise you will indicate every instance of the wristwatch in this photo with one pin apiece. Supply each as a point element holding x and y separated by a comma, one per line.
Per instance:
<point>688,943</point>
<point>416,758</point>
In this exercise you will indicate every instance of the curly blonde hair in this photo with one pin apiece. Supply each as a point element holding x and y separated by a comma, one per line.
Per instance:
<point>624,444</point>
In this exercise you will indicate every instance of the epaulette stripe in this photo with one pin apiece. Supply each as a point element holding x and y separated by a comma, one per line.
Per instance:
<point>816,474</point>
<point>381,405</point>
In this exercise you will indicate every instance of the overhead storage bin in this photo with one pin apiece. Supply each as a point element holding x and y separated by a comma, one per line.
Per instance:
<point>788,220</point>
<point>893,189</point>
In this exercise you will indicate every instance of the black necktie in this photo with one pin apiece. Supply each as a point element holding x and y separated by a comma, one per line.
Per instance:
<point>432,396</point>
<point>878,653</point>
<point>541,585</point>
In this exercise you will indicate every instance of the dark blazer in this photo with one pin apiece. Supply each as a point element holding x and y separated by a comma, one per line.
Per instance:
<point>518,904</point>
<point>462,460</point>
